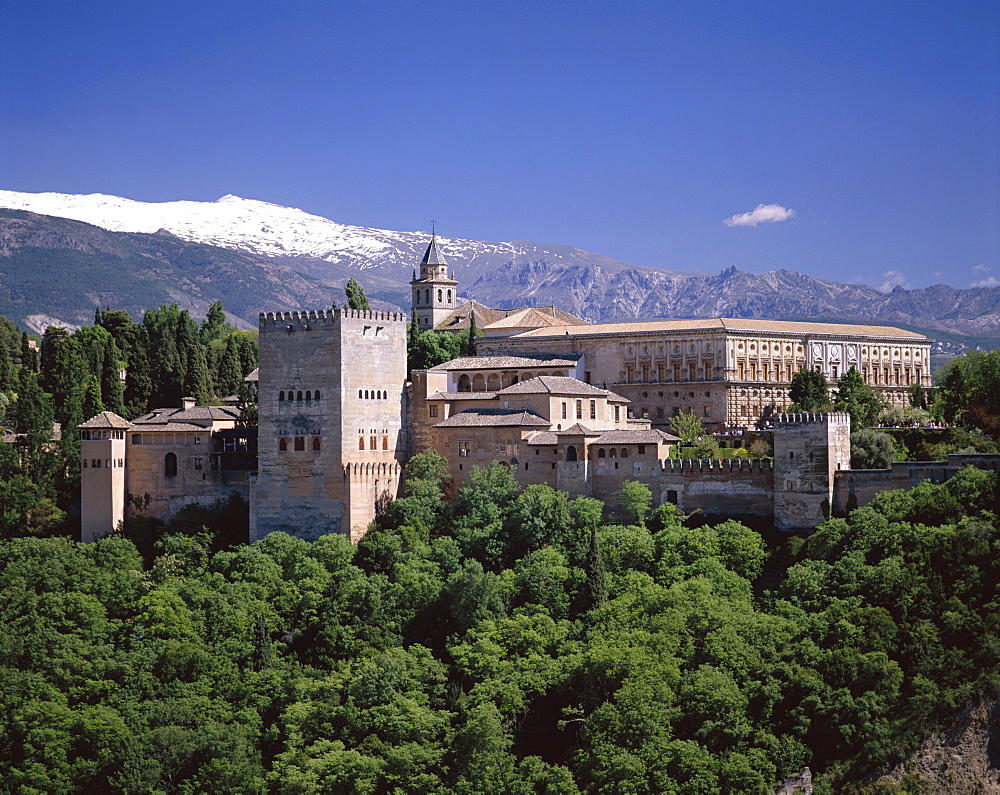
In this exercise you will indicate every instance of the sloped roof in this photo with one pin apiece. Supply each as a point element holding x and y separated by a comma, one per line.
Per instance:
<point>192,415</point>
<point>578,430</point>
<point>532,317</point>
<point>433,255</point>
<point>106,419</point>
<point>721,324</point>
<point>254,376</point>
<point>509,362</point>
<point>553,384</point>
<point>493,417</point>
<point>462,396</point>
<point>651,436</point>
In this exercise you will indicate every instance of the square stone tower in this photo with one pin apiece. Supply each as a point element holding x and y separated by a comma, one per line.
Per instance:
<point>808,450</point>
<point>435,295</point>
<point>102,474</point>
<point>331,420</point>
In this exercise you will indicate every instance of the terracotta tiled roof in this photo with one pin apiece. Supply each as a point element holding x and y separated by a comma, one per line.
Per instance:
<point>543,437</point>
<point>722,324</point>
<point>462,396</point>
<point>508,362</point>
<point>493,417</point>
<point>106,419</point>
<point>635,437</point>
<point>191,415</point>
<point>578,430</point>
<point>554,384</point>
<point>488,317</point>
<point>532,317</point>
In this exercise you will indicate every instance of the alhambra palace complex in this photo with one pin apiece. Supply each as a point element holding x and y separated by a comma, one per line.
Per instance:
<point>581,407</point>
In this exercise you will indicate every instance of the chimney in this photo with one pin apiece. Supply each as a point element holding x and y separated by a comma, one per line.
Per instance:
<point>187,403</point>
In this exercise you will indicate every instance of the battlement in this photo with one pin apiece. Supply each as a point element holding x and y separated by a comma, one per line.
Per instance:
<point>716,464</point>
<point>810,418</point>
<point>306,320</point>
<point>372,468</point>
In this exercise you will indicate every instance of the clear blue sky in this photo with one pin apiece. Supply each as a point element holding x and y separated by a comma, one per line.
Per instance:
<point>632,129</point>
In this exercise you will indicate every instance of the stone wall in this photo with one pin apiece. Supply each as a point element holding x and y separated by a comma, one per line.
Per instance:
<point>808,451</point>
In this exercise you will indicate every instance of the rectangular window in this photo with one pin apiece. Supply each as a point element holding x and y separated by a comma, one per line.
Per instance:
<point>617,413</point>
<point>84,463</point>
<point>464,448</point>
<point>593,409</point>
<point>374,442</point>
<point>659,412</point>
<point>579,409</point>
<point>385,442</point>
<point>642,449</point>
<point>300,444</point>
<point>708,411</point>
<point>564,410</point>
<point>586,377</point>
<point>197,464</point>
<point>433,411</point>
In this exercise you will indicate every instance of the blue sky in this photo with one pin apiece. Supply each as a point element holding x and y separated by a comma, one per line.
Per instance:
<point>868,132</point>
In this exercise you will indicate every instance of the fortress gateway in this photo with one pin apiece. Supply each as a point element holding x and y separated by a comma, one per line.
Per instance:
<point>580,407</point>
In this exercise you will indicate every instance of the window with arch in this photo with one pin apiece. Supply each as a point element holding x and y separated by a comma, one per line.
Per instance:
<point>361,442</point>
<point>449,296</point>
<point>464,384</point>
<point>298,396</point>
<point>600,452</point>
<point>309,395</point>
<point>385,442</point>
<point>170,465</point>
<point>281,395</point>
<point>624,452</point>
<point>366,394</point>
<point>316,444</point>
<point>282,445</point>
<point>316,394</point>
<point>360,395</point>
<point>439,296</point>
<point>612,453</point>
<point>571,453</point>
<point>300,444</point>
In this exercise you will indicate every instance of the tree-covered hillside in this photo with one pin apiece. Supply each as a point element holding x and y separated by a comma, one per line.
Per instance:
<point>513,642</point>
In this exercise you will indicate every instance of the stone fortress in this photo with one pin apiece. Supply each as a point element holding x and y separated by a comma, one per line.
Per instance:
<point>580,407</point>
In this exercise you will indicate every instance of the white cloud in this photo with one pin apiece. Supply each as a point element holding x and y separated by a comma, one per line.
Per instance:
<point>991,281</point>
<point>762,213</point>
<point>892,279</point>
<point>980,268</point>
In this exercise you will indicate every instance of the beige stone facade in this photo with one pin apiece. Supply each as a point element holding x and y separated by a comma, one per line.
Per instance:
<point>729,372</point>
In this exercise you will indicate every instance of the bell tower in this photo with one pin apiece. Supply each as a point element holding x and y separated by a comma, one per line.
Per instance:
<point>434,293</point>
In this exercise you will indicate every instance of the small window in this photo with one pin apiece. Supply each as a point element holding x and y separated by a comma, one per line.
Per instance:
<point>170,465</point>
<point>84,463</point>
<point>300,444</point>
<point>316,395</point>
<point>617,414</point>
<point>433,411</point>
<point>579,409</point>
<point>464,448</point>
<point>564,409</point>
<point>281,395</point>
<point>282,445</point>
<point>593,409</point>
<point>316,443</point>
<point>361,442</point>
<point>136,438</point>
<point>197,464</point>
<point>373,441</point>
<point>360,394</point>
<point>600,452</point>
<point>385,442</point>
<point>624,452</point>
<point>642,449</point>
<point>298,395</point>
<point>309,395</point>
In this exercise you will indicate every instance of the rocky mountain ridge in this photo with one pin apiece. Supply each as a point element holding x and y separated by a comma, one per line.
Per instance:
<point>296,259</point>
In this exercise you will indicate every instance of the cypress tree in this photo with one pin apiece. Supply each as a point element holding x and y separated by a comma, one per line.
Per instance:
<point>229,375</point>
<point>194,380</point>
<point>92,403</point>
<point>6,369</point>
<point>112,390</point>
<point>356,298</point>
<point>470,346</point>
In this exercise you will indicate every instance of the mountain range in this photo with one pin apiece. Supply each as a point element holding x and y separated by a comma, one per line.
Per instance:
<point>61,255</point>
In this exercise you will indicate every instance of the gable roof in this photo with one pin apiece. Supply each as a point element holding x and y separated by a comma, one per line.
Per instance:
<point>651,436</point>
<point>488,317</point>
<point>433,256</point>
<point>106,419</point>
<point>493,417</point>
<point>194,414</point>
<point>533,317</point>
<point>509,362</point>
<point>553,384</point>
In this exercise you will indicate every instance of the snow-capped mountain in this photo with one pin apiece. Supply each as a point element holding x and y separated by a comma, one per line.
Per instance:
<point>271,230</point>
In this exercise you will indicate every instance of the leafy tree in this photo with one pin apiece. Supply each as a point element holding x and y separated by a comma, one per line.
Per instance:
<point>112,388</point>
<point>917,396</point>
<point>809,390</point>
<point>871,449</point>
<point>858,399</point>
<point>687,427</point>
<point>214,326</point>
<point>636,499</point>
<point>92,403</point>
<point>356,298</point>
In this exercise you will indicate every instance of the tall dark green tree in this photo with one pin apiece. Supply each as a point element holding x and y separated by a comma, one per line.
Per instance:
<point>858,399</point>
<point>809,390</point>
<point>112,388</point>
<point>356,298</point>
<point>6,369</point>
<point>195,382</point>
<point>229,374</point>
<point>29,356</point>
<point>470,347</point>
<point>214,326</point>
<point>92,403</point>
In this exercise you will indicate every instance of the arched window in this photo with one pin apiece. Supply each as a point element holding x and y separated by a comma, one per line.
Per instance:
<point>360,394</point>
<point>439,296</point>
<point>361,442</point>
<point>366,394</point>
<point>385,442</point>
<point>449,296</point>
<point>600,452</point>
<point>299,395</point>
<point>300,444</point>
<point>282,445</point>
<point>170,465</point>
<point>571,453</point>
<point>612,453</point>
<point>624,452</point>
<point>427,296</point>
<point>316,443</point>
<point>464,385</point>
<point>316,395</point>
<point>493,384</point>
<point>281,395</point>
<point>309,395</point>
<point>478,383</point>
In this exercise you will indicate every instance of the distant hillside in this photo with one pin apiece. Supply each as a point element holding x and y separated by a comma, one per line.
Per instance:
<point>259,256</point>
<point>65,269</point>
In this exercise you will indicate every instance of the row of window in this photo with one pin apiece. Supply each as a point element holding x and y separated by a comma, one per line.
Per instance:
<point>647,376</point>
<point>293,395</point>
<point>168,438</point>
<point>427,297</point>
<point>579,409</point>
<point>98,463</point>
<point>299,443</point>
<point>372,394</point>
<point>90,436</point>
<point>373,443</point>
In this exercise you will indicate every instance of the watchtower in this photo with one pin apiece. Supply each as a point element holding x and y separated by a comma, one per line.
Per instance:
<point>331,420</point>
<point>808,450</point>
<point>434,293</point>
<point>102,474</point>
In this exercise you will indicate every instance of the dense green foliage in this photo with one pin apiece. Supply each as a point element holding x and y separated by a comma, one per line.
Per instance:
<point>425,349</point>
<point>511,642</point>
<point>970,391</point>
<point>356,298</point>
<point>809,390</point>
<point>166,357</point>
